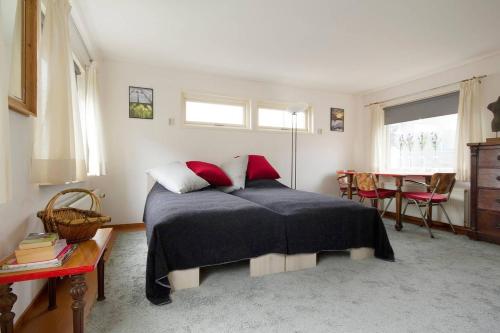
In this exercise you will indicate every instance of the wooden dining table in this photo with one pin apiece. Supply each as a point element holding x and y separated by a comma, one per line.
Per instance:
<point>398,178</point>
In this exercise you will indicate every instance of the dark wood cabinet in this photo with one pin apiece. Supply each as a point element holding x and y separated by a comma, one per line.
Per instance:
<point>485,192</point>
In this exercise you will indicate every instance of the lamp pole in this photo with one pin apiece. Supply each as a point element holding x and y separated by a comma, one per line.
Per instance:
<point>293,174</point>
<point>295,110</point>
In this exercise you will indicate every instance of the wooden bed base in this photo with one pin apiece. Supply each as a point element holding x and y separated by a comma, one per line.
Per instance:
<point>259,266</point>
<point>267,264</point>
<point>297,262</point>
<point>184,278</point>
<point>362,253</point>
<point>263,265</point>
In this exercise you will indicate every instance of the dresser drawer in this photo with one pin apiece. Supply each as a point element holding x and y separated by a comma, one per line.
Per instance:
<point>489,158</point>
<point>488,199</point>
<point>488,178</point>
<point>488,223</point>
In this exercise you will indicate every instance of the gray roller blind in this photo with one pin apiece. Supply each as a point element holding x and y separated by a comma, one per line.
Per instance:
<point>427,108</point>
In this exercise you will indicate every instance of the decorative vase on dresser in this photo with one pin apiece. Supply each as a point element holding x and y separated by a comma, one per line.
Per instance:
<point>485,191</point>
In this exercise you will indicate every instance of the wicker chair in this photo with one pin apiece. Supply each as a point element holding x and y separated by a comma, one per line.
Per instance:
<point>439,191</point>
<point>343,181</point>
<point>367,188</point>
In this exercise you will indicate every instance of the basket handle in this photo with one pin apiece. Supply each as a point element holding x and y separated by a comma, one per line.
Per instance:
<point>95,204</point>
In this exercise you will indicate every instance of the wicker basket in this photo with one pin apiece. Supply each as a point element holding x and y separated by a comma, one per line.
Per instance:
<point>74,225</point>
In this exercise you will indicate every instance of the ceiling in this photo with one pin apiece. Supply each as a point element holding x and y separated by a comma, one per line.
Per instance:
<point>348,46</point>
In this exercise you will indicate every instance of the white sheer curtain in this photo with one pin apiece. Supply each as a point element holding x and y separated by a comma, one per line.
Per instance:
<point>91,122</point>
<point>378,138</point>
<point>58,155</point>
<point>469,128</point>
<point>4,121</point>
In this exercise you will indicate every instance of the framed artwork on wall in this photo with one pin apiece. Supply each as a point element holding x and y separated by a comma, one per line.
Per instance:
<point>336,119</point>
<point>140,102</point>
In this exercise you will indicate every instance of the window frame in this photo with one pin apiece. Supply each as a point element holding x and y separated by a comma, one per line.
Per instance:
<point>27,103</point>
<point>387,135</point>
<point>282,106</point>
<point>216,99</point>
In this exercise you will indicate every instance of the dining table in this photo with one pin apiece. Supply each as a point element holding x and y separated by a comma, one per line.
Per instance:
<point>398,178</point>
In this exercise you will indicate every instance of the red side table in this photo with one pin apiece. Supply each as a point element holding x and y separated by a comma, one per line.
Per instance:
<point>87,257</point>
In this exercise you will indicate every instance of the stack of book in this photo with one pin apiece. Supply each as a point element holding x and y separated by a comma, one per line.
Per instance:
<point>39,250</point>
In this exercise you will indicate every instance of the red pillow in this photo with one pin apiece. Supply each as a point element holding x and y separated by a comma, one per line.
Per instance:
<point>259,168</point>
<point>210,172</point>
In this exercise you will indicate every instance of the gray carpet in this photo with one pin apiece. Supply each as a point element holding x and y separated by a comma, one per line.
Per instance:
<point>436,285</point>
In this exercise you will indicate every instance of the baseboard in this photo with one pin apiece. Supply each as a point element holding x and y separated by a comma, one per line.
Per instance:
<point>434,225</point>
<point>126,226</point>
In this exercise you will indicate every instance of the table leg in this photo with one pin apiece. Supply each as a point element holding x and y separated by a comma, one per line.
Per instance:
<point>78,290</point>
<point>52,285</point>
<point>429,215</point>
<point>100,279</point>
<point>350,179</point>
<point>399,202</point>
<point>429,207</point>
<point>7,300</point>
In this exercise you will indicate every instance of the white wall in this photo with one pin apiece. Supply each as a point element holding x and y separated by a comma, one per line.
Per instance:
<point>18,216</point>
<point>490,90</point>
<point>134,145</point>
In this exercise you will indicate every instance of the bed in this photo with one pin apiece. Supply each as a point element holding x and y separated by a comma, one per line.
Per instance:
<point>204,228</point>
<point>277,228</point>
<point>316,222</point>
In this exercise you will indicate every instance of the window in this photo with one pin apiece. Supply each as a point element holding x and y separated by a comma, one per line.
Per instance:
<point>421,135</point>
<point>206,110</point>
<point>279,117</point>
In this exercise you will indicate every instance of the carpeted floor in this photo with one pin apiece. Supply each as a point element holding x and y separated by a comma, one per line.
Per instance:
<point>447,284</point>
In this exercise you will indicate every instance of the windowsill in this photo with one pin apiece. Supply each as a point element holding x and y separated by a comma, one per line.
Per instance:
<point>47,185</point>
<point>282,131</point>
<point>242,129</point>
<point>216,127</point>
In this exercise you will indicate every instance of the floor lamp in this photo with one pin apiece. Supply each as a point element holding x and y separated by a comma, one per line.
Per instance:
<point>293,173</point>
<point>294,110</point>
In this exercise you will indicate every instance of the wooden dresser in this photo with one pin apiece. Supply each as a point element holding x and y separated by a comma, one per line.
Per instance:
<point>485,191</point>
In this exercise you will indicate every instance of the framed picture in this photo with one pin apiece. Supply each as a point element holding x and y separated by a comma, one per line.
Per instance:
<point>336,119</point>
<point>140,102</point>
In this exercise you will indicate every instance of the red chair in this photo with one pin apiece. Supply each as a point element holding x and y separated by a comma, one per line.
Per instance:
<point>439,191</point>
<point>343,180</point>
<point>366,184</point>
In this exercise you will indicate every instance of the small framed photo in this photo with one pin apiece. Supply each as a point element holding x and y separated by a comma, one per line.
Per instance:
<point>336,119</point>
<point>140,102</point>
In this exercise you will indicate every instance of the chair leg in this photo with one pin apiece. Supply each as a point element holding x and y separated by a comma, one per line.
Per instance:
<point>448,218</point>
<point>361,199</point>
<point>424,219</point>
<point>404,210</point>
<point>343,195</point>
<point>386,206</point>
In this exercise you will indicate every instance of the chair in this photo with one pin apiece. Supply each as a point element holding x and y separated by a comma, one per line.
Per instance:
<point>439,191</point>
<point>343,180</point>
<point>367,188</point>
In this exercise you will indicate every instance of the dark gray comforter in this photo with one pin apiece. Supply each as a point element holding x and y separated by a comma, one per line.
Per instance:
<point>202,228</point>
<point>316,222</point>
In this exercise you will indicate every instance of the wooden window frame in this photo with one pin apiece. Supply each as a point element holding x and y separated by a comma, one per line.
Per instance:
<point>27,105</point>
<point>216,99</point>
<point>282,106</point>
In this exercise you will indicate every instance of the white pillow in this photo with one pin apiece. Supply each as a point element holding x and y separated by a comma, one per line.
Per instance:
<point>178,178</point>
<point>236,170</point>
